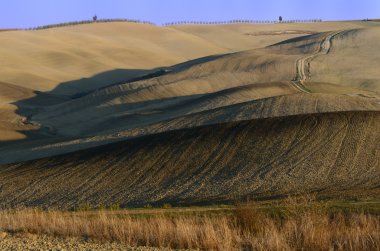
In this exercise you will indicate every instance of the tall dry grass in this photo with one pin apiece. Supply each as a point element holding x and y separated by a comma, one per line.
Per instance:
<point>303,224</point>
<point>290,227</point>
<point>157,231</point>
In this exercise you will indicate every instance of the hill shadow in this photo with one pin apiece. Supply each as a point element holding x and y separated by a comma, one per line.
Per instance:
<point>83,86</point>
<point>80,87</point>
<point>71,90</point>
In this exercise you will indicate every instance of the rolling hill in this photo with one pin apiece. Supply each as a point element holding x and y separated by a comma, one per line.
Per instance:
<point>69,62</point>
<point>226,162</point>
<point>188,114</point>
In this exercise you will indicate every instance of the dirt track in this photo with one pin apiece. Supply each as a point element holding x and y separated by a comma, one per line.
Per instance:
<point>22,242</point>
<point>303,66</point>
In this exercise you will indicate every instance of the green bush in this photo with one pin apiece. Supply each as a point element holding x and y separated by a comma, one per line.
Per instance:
<point>167,206</point>
<point>148,206</point>
<point>83,207</point>
<point>115,206</point>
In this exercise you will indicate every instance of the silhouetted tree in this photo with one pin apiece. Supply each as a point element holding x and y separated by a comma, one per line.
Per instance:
<point>280,19</point>
<point>94,18</point>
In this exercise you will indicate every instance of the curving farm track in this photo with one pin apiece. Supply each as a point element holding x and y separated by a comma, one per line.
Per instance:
<point>303,64</point>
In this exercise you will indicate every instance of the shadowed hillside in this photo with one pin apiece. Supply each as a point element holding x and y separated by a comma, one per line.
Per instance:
<point>283,69</point>
<point>224,162</point>
<point>189,114</point>
<point>123,59</point>
<point>168,115</point>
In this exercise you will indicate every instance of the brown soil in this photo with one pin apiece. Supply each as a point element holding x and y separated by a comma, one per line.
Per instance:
<point>211,164</point>
<point>22,242</point>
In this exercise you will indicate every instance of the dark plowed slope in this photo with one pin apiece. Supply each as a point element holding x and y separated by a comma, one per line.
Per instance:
<point>225,162</point>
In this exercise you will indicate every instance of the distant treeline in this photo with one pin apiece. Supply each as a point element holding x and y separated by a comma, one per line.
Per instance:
<point>8,30</point>
<point>88,22</point>
<point>243,22</point>
<point>166,24</point>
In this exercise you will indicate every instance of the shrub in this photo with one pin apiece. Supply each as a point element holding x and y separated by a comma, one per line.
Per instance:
<point>148,206</point>
<point>166,206</point>
<point>115,206</point>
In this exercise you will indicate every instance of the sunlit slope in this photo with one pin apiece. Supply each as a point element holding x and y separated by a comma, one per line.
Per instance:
<point>249,36</point>
<point>13,118</point>
<point>352,61</point>
<point>218,163</point>
<point>10,122</point>
<point>43,59</point>
<point>69,61</point>
<point>219,81</point>
<point>189,94</point>
<point>74,60</point>
<point>189,88</point>
<point>14,124</point>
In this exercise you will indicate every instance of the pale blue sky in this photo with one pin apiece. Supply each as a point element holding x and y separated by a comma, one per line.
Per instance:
<point>29,13</point>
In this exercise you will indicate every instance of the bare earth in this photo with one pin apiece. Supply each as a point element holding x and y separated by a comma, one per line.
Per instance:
<point>22,242</point>
<point>134,114</point>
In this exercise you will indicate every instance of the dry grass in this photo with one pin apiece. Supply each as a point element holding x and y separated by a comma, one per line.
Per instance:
<point>294,225</point>
<point>160,231</point>
<point>307,225</point>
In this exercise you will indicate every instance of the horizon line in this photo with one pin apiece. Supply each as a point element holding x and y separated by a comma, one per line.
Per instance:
<point>185,22</point>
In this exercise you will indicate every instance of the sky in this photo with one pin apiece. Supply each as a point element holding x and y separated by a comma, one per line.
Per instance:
<point>31,13</point>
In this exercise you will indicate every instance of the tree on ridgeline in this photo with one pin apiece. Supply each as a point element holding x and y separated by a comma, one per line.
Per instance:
<point>94,18</point>
<point>280,19</point>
